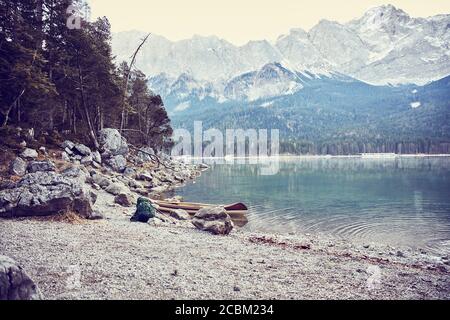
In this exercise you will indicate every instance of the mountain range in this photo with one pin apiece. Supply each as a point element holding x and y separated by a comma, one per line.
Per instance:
<point>369,78</point>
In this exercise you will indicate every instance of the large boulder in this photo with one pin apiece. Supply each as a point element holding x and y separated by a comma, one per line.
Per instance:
<point>18,167</point>
<point>36,166</point>
<point>46,193</point>
<point>15,284</point>
<point>214,220</point>
<point>112,143</point>
<point>117,163</point>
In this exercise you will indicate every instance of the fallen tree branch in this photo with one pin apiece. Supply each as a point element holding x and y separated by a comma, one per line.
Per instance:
<point>153,157</point>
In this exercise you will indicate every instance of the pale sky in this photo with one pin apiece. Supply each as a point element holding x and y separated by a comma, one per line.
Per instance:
<point>239,21</point>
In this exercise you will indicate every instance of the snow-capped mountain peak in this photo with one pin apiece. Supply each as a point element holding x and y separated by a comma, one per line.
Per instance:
<point>384,46</point>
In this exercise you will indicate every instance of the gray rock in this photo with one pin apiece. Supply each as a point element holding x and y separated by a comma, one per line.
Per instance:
<point>93,197</point>
<point>41,166</point>
<point>112,143</point>
<point>115,189</point>
<point>123,199</point>
<point>75,172</point>
<point>87,160</point>
<point>144,176</point>
<point>68,145</point>
<point>29,154</point>
<point>117,163</point>
<point>159,189</point>
<point>214,220</point>
<point>18,167</point>
<point>96,215</point>
<point>44,194</point>
<point>15,284</point>
<point>134,184</point>
<point>101,180</point>
<point>82,150</point>
<point>97,157</point>
<point>143,154</point>
<point>96,165</point>
<point>129,172</point>
<point>69,151</point>
<point>180,214</point>
<point>65,156</point>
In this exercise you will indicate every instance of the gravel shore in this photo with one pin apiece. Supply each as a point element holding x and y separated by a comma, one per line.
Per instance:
<point>116,259</point>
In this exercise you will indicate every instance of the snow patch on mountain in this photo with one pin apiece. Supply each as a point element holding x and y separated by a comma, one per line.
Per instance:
<point>384,46</point>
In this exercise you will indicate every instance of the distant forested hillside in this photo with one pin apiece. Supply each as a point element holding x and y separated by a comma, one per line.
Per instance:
<point>332,116</point>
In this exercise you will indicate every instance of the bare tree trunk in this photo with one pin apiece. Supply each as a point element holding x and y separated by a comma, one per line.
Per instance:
<point>5,121</point>
<point>127,79</point>
<point>86,110</point>
<point>74,120</point>
<point>18,111</point>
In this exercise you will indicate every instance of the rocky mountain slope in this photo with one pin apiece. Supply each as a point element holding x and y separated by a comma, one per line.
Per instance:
<point>366,81</point>
<point>386,45</point>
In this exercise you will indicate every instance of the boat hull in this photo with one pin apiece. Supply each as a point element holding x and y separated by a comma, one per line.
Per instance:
<point>237,212</point>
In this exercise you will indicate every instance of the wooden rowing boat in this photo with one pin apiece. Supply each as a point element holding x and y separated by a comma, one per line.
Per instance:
<point>236,211</point>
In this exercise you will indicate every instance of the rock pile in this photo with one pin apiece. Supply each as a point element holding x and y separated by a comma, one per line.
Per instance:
<point>80,154</point>
<point>43,190</point>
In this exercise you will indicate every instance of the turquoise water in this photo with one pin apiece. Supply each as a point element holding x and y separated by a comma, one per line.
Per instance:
<point>402,201</point>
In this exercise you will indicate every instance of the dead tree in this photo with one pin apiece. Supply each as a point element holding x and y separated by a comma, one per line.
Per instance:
<point>127,79</point>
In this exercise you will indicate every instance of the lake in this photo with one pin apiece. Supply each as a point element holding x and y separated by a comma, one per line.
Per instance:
<point>399,201</point>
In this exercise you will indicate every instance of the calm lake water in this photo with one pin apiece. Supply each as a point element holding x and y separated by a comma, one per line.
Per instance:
<point>402,201</point>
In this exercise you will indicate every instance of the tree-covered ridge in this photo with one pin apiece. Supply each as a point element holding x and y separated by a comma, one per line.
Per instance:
<point>56,78</point>
<point>330,116</point>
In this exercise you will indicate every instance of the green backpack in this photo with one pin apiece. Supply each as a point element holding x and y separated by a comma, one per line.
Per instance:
<point>144,211</point>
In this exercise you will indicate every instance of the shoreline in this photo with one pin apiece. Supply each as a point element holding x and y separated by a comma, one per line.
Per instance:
<point>285,156</point>
<point>117,259</point>
<point>166,259</point>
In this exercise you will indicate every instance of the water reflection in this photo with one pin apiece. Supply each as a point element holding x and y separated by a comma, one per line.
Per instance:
<point>401,201</point>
